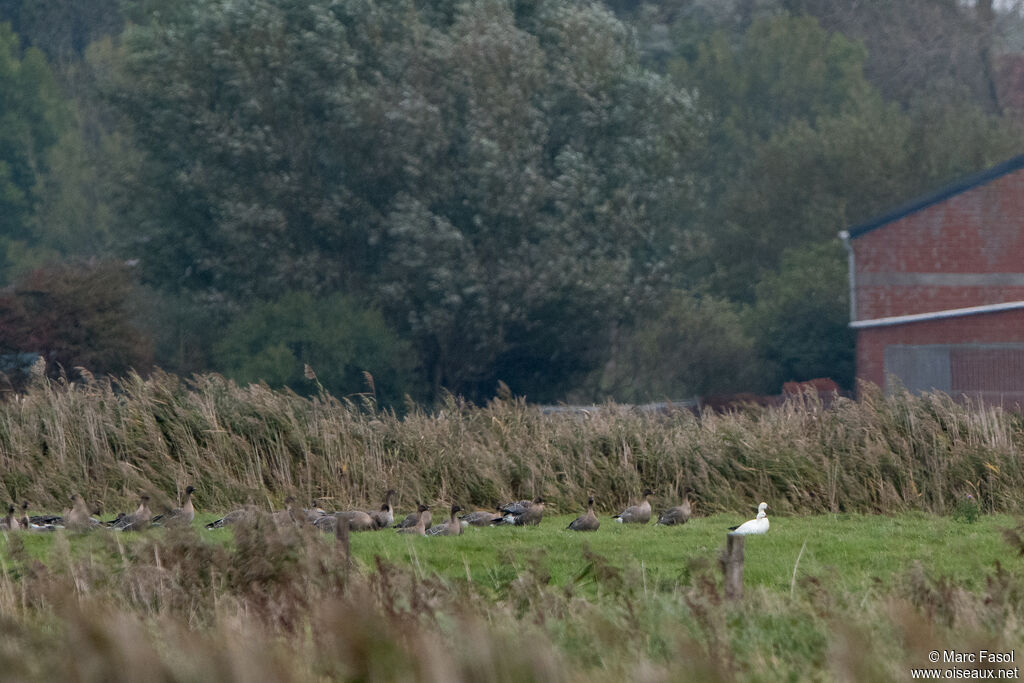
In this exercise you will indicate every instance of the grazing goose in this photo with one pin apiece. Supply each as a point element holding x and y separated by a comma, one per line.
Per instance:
<point>680,514</point>
<point>452,527</point>
<point>385,517</point>
<point>413,518</point>
<point>10,522</point>
<point>587,522</point>
<point>758,525</point>
<point>523,512</point>
<point>637,514</point>
<point>420,527</point>
<point>316,511</point>
<point>480,518</point>
<point>233,517</point>
<point>47,521</point>
<point>357,521</point>
<point>138,520</point>
<point>182,516</point>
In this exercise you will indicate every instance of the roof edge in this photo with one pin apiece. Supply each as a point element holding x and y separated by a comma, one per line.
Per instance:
<point>936,315</point>
<point>924,201</point>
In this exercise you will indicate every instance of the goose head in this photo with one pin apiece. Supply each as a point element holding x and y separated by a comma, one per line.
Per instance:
<point>648,492</point>
<point>189,490</point>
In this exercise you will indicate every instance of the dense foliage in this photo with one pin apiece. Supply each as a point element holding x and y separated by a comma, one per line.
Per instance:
<point>541,193</point>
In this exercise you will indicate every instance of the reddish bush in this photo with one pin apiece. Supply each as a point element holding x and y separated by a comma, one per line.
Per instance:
<point>74,315</point>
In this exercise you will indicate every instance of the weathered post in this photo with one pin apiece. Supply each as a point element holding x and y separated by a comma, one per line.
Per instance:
<point>732,566</point>
<point>341,536</point>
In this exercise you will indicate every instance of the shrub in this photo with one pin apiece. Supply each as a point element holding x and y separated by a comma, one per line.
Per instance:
<point>341,341</point>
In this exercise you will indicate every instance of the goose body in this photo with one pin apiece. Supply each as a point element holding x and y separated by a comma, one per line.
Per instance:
<point>420,527</point>
<point>758,525</point>
<point>27,523</point>
<point>523,512</point>
<point>357,521</point>
<point>315,512</point>
<point>80,518</point>
<point>10,522</point>
<point>233,517</point>
<point>413,518</point>
<point>385,517</point>
<point>292,515</point>
<point>55,521</point>
<point>587,522</point>
<point>138,520</point>
<point>680,514</point>
<point>182,516</point>
<point>480,518</point>
<point>636,514</point>
<point>452,527</point>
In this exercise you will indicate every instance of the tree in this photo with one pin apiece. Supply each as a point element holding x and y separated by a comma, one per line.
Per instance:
<point>800,321</point>
<point>75,316</point>
<point>803,146</point>
<point>692,346</point>
<point>31,118</point>
<point>467,171</point>
<point>62,29</point>
<point>275,341</point>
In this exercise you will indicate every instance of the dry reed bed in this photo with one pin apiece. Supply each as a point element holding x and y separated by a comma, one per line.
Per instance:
<point>111,439</point>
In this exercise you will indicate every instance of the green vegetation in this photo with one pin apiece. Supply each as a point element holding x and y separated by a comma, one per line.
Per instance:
<point>519,207</point>
<point>943,567</point>
<point>511,604</point>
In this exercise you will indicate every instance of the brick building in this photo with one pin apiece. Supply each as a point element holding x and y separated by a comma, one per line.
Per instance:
<point>937,289</point>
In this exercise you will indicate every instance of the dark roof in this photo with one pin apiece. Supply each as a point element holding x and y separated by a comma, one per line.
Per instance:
<point>924,201</point>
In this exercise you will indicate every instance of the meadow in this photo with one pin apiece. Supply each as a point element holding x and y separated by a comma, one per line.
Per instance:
<point>822,592</point>
<point>871,561</point>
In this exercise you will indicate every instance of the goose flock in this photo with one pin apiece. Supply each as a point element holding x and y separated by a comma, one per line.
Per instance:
<point>81,517</point>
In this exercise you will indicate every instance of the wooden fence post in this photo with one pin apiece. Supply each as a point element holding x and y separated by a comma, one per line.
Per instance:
<point>732,566</point>
<point>341,536</point>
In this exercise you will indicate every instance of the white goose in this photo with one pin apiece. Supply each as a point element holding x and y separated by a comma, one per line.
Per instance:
<point>759,525</point>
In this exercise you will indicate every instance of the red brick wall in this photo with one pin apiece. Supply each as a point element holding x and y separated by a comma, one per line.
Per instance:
<point>979,231</point>
<point>985,328</point>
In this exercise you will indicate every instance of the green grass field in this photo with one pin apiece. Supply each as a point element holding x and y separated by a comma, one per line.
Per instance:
<point>575,606</point>
<point>854,552</point>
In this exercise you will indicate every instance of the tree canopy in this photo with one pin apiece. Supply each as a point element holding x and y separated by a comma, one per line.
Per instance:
<point>573,198</point>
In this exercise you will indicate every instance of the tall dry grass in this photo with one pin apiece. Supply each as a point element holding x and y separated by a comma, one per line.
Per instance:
<point>111,439</point>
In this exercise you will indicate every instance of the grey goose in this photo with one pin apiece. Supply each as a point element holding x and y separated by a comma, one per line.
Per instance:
<point>420,527</point>
<point>452,527</point>
<point>680,514</point>
<point>637,514</point>
<point>587,522</point>
<point>182,516</point>
<point>523,512</point>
